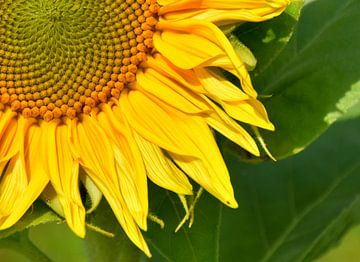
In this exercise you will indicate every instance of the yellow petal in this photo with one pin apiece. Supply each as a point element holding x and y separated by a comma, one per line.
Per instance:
<point>250,111</point>
<point>161,170</point>
<point>151,123</point>
<point>221,122</point>
<point>170,92</point>
<point>166,90</point>
<point>187,138</point>
<point>93,150</point>
<point>223,12</point>
<point>186,50</point>
<point>5,119</point>
<point>11,138</point>
<point>236,103</point>
<point>64,174</point>
<point>210,32</point>
<point>209,169</point>
<point>219,88</point>
<point>129,164</point>
<point>186,78</point>
<point>13,185</point>
<point>22,184</point>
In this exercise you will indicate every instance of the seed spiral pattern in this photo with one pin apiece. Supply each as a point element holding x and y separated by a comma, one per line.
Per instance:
<point>65,57</point>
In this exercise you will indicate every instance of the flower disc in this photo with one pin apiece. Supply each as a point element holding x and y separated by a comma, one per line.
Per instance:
<point>63,58</point>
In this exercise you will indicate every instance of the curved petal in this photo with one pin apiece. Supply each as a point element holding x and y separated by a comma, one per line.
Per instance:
<point>99,163</point>
<point>222,123</point>
<point>186,78</point>
<point>161,170</point>
<point>13,185</point>
<point>23,183</point>
<point>64,174</point>
<point>158,87</point>
<point>219,88</point>
<point>213,34</point>
<point>11,140</point>
<point>237,104</point>
<point>209,170</point>
<point>187,138</point>
<point>145,121</point>
<point>186,50</point>
<point>170,92</point>
<point>223,12</point>
<point>250,111</point>
<point>129,164</point>
<point>5,119</point>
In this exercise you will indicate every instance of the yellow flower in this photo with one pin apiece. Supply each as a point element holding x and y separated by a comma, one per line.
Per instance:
<point>125,90</point>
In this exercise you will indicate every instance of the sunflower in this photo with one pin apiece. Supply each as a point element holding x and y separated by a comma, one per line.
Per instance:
<point>125,90</point>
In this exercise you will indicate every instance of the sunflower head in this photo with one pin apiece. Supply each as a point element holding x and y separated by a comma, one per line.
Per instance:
<point>61,58</point>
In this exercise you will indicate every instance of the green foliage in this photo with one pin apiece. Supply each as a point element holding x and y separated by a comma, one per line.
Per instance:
<point>294,209</point>
<point>316,79</point>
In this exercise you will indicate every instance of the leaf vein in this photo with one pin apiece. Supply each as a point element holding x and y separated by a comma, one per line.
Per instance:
<point>277,244</point>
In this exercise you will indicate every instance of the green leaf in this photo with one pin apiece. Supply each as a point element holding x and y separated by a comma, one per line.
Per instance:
<point>292,210</point>
<point>295,209</point>
<point>267,39</point>
<point>38,214</point>
<point>317,77</point>
<point>199,243</point>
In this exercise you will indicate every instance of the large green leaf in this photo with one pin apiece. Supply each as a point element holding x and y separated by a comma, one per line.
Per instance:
<point>316,78</point>
<point>295,209</point>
